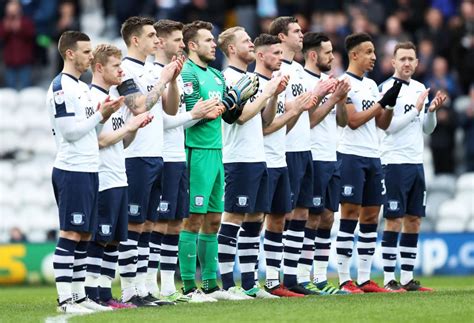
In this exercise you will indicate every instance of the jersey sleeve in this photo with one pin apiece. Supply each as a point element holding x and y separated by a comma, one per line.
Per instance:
<point>63,100</point>
<point>191,89</point>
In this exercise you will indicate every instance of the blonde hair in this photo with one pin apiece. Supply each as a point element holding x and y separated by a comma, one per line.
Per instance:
<point>102,53</point>
<point>226,38</point>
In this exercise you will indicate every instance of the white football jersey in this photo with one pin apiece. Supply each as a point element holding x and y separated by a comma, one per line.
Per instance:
<point>298,139</point>
<point>324,135</point>
<point>112,158</point>
<point>406,145</point>
<point>242,143</point>
<point>137,78</point>
<point>173,138</point>
<point>275,143</point>
<point>363,141</point>
<point>70,97</point>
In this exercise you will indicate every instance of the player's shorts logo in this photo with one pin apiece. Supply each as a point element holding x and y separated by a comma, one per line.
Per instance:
<point>133,209</point>
<point>317,201</point>
<point>188,88</point>
<point>199,200</point>
<point>77,218</point>
<point>347,190</point>
<point>105,229</point>
<point>393,205</point>
<point>242,201</point>
<point>164,206</point>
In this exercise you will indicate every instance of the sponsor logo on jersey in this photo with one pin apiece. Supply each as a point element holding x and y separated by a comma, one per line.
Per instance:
<point>199,200</point>
<point>188,88</point>
<point>133,209</point>
<point>77,218</point>
<point>242,200</point>
<point>317,201</point>
<point>218,81</point>
<point>348,190</point>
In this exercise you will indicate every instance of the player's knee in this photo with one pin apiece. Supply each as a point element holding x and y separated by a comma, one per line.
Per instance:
<point>350,212</point>
<point>327,220</point>
<point>70,235</point>
<point>394,225</point>
<point>235,218</point>
<point>174,227</point>
<point>411,224</point>
<point>275,222</point>
<point>313,221</point>
<point>300,214</point>
<point>193,223</point>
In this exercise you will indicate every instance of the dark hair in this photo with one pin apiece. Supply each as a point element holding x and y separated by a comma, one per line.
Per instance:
<point>190,31</point>
<point>69,39</point>
<point>164,27</point>
<point>354,40</point>
<point>280,25</point>
<point>404,45</point>
<point>266,40</point>
<point>313,40</point>
<point>133,26</point>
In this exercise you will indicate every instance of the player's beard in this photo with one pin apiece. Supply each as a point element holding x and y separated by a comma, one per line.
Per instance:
<point>323,67</point>
<point>206,59</point>
<point>81,67</point>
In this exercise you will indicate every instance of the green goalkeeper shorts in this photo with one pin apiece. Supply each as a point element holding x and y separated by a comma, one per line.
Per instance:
<point>206,180</point>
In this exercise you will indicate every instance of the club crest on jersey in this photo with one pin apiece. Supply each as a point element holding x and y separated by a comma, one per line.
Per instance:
<point>77,218</point>
<point>242,200</point>
<point>218,80</point>
<point>105,229</point>
<point>347,190</point>
<point>188,88</point>
<point>393,205</point>
<point>59,97</point>
<point>133,209</point>
<point>164,206</point>
<point>317,201</point>
<point>199,200</point>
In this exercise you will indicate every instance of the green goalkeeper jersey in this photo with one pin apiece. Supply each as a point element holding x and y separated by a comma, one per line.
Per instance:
<point>205,83</point>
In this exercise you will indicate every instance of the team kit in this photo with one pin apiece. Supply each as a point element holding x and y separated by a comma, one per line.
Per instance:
<point>169,159</point>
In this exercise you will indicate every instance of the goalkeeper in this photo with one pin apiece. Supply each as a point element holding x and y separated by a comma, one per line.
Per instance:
<point>198,239</point>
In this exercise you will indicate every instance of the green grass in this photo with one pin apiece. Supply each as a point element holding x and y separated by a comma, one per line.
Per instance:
<point>452,302</point>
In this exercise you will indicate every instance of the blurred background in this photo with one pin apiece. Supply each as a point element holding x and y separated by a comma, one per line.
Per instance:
<point>443,31</point>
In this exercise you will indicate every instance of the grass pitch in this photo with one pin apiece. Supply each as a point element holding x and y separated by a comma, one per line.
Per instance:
<point>453,301</point>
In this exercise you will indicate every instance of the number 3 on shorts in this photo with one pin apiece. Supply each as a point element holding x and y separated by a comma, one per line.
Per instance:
<point>384,189</point>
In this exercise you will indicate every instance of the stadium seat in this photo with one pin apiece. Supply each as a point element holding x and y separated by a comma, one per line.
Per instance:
<point>450,226</point>
<point>434,201</point>
<point>466,182</point>
<point>33,98</point>
<point>443,183</point>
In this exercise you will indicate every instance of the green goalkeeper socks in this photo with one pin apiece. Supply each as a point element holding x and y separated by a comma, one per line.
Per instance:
<point>207,253</point>
<point>187,258</point>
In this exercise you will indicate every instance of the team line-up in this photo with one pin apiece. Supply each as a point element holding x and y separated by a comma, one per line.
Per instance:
<point>172,159</point>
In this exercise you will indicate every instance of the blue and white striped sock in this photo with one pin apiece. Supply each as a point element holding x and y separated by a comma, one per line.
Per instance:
<point>389,255</point>
<point>305,263</point>
<point>63,262</point>
<point>248,247</point>
<point>127,260</point>
<point>344,247</point>
<point>227,250</point>
<point>366,243</point>
<point>95,253</point>
<point>408,251</point>
<point>291,251</point>
<point>79,271</point>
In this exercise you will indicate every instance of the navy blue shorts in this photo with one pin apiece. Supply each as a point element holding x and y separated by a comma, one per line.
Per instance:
<point>406,190</point>
<point>300,170</point>
<point>362,180</point>
<point>113,215</point>
<point>279,190</point>
<point>76,195</point>
<point>144,188</point>
<point>246,188</point>
<point>326,186</point>
<point>174,202</point>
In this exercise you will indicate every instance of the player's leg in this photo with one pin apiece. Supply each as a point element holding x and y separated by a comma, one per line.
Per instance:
<point>410,233</point>
<point>299,168</point>
<point>145,285</point>
<point>201,183</point>
<point>174,207</point>
<point>235,203</point>
<point>394,209</point>
<point>138,192</point>
<point>373,197</point>
<point>352,185</point>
